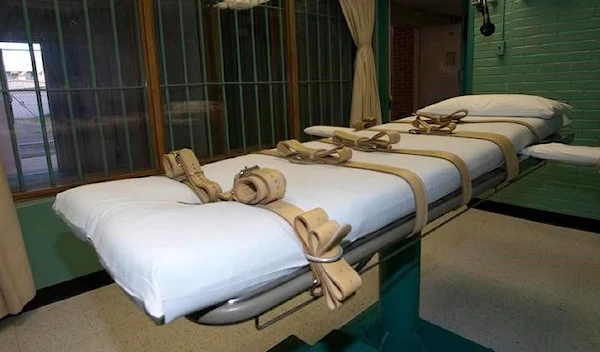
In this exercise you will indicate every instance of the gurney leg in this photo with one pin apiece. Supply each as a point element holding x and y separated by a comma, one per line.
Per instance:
<point>393,324</point>
<point>399,284</point>
<point>399,327</point>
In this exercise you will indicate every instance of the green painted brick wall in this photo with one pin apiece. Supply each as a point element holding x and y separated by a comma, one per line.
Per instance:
<point>552,49</point>
<point>55,254</point>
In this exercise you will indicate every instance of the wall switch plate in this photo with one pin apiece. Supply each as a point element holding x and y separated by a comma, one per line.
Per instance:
<point>500,48</point>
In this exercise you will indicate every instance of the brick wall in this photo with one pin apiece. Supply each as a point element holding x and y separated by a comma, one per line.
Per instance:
<point>402,67</point>
<point>553,50</point>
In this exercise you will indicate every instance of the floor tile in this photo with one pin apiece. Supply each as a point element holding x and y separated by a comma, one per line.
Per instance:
<point>8,336</point>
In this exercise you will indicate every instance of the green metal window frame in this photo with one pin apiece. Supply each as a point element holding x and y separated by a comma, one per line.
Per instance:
<point>468,48</point>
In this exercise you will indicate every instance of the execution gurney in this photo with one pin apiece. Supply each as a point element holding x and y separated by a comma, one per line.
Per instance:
<point>226,262</point>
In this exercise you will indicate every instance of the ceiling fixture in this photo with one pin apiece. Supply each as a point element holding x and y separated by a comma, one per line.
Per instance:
<point>238,4</point>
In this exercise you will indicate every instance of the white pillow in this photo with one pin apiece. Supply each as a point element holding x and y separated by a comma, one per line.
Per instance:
<point>507,105</point>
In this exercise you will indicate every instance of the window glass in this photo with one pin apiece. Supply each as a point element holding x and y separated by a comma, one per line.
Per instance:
<point>223,76</point>
<point>73,104</point>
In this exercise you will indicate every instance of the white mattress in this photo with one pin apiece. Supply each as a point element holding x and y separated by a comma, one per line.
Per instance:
<point>542,126</point>
<point>175,259</point>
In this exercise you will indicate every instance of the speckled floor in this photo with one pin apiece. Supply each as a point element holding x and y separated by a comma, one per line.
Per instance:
<point>514,285</point>
<point>509,284</point>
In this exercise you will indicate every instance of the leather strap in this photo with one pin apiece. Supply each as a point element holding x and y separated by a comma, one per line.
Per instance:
<point>379,142</point>
<point>294,151</point>
<point>430,124</point>
<point>320,236</point>
<point>383,141</point>
<point>365,123</point>
<point>446,127</point>
<point>183,166</point>
<point>438,124</point>
<point>518,122</point>
<point>511,159</point>
<point>256,186</point>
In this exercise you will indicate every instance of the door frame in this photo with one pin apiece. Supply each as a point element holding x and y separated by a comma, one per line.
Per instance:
<point>468,47</point>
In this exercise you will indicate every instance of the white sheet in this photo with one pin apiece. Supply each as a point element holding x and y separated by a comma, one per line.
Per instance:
<point>566,153</point>
<point>176,258</point>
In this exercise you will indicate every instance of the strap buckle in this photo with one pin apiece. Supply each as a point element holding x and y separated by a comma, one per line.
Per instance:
<point>367,147</point>
<point>177,159</point>
<point>246,171</point>
<point>180,164</point>
<point>322,260</point>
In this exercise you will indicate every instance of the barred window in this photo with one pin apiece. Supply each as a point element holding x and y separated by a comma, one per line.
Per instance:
<point>72,92</point>
<point>94,91</point>
<point>222,76</point>
<point>325,63</point>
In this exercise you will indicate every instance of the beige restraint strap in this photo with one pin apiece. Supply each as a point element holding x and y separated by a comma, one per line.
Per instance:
<point>296,152</point>
<point>383,141</point>
<point>448,122</point>
<point>320,236</point>
<point>518,122</point>
<point>445,126</point>
<point>183,166</point>
<point>365,123</point>
<point>438,124</point>
<point>508,150</point>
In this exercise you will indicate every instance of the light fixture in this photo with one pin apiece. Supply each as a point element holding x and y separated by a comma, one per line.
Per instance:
<point>238,4</point>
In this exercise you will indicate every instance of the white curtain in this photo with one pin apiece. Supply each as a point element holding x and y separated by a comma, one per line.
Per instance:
<point>360,16</point>
<point>16,282</point>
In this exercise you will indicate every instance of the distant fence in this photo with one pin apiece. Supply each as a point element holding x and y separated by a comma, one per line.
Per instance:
<point>24,100</point>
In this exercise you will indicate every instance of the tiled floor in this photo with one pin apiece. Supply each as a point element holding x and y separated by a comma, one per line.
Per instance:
<point>106,320</point>
<point>509,284</point>
<point>514,285</point>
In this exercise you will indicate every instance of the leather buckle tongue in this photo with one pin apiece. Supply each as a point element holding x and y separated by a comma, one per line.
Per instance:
<point>247,171</point>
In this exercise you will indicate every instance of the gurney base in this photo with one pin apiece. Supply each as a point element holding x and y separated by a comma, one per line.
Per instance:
<point>393,324</point>
<point>431,338</point>
<point>334,341</point>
